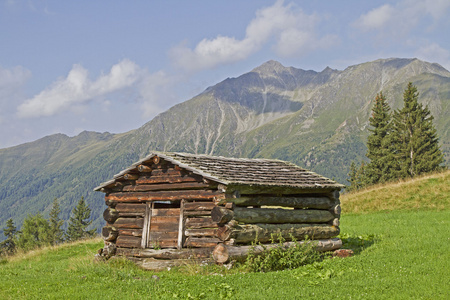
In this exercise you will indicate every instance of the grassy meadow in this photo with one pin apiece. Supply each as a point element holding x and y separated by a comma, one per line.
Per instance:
<point>400,234</point>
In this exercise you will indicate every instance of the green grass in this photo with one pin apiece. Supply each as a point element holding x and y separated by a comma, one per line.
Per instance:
<point>429,192</point>
<point>400,253</point>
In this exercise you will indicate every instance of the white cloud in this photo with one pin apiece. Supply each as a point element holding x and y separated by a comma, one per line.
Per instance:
<point>402,17</point>
<point>12,79</point>
<point>435,53</point>
<point>157,93</point>
<point>76,89</point>
<point>279,22</point>
<point>376,18</point>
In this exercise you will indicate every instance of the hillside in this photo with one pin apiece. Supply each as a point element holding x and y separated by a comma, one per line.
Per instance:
<point>429,192</point>
<point>400,253</point>
<point>315,119</point>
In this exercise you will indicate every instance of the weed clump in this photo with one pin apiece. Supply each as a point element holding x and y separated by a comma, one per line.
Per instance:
<point>282,257</point>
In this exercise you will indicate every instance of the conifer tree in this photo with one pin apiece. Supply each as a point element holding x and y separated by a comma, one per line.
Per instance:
<point>357,177</point>
<point>381,167</point>
<point>56,232</point>
<point>78,223</point>
<point>35,233</point>
<point>415,138</point>
<point>8,246</point>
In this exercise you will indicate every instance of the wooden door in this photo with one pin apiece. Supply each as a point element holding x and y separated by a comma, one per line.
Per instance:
<point>162,225</point>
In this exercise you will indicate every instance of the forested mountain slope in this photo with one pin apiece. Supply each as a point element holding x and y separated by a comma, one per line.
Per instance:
<point>315,119</point>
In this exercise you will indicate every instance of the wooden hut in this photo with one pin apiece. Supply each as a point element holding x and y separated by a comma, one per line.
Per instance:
<point>169,207</point>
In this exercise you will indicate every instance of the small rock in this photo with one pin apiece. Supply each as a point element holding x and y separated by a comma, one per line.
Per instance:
<point>155,277</point>
<point>343,253</point>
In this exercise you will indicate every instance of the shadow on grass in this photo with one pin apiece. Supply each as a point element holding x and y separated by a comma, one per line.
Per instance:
<point>358,243</point>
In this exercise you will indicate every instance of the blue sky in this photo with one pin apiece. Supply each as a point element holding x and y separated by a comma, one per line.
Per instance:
<point>69,66</point>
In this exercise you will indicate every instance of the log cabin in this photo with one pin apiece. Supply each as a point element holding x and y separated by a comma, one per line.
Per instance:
<point>169,208</point>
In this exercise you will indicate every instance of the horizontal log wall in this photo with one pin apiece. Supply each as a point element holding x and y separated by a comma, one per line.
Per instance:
<point>244,218</point>
<point>160,181</point>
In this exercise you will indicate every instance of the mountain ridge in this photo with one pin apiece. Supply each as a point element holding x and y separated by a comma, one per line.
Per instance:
<point>317,120</point>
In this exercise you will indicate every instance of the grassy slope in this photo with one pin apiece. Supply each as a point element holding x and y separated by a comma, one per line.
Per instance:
<point>426,192</point>
<point>402,253</point>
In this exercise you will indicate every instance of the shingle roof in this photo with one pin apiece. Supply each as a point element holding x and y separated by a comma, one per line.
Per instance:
<point>241,171</point>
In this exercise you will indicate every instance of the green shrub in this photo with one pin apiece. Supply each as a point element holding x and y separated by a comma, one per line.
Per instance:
<point>282,257</point>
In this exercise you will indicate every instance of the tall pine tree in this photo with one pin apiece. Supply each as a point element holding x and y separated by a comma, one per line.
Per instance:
<point>56,232</point>
<point>78,223</point>
<point>415,138</point>
<point>381,167</point>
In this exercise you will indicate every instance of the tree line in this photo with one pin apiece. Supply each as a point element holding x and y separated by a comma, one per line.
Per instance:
<point>36,231</point>
<point>401,144</point>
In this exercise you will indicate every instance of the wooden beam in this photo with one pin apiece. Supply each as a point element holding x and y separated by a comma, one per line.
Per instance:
<point>316,202</point>
<point>222,215</point>
<point>144,169</point>
<point>202,242</point>
<point>199,206</point>
<point>204,232</point>
<point>225,253</point>
<point>167,186</point>
<point>278,190</point>
<point>248,233</point>
<point>131,209</point>
<point>197,223</point>
<point>127,241</point>
<point>129,176</point>
<point>163,196</point>
<point>154,179</point>
<point>129,223</point>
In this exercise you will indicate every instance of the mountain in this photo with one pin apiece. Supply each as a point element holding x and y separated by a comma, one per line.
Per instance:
<point>315,119</point>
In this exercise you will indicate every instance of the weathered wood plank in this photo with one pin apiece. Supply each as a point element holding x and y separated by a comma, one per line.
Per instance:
<point>165,219</point>
<point>131,232</point>
<point>130,209</point>
<point>225,253</point>
<point>168,171</point>
<point>146,225</point>
<point>127,241</point>
<point>163,235</point>
<point>316,202</point>
<point>168,186</point>
<point>129,223</point>
<point>205,232</point>
<point>196,223</point>
<point>163,226</point>
<point>166,179</point>
<point>281,190</point>
<point>194,242</point>
<point>163,195</point>
<point>159,244</point>
<point>270,215</point>
<point>197,213</point>
<point>249,233</point>
<point>166,212</point>
<point>199,206</point>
